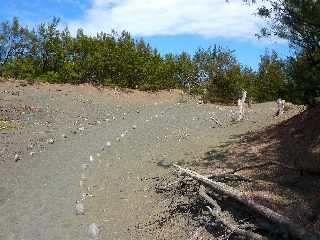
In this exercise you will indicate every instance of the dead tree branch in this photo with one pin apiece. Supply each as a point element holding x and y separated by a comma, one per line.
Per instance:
<point>226,219</point>
<point>295,231</point>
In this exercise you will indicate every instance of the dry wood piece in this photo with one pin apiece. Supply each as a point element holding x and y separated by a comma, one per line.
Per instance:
<point>225,218</point>
<point>295,231</point>
<point>241,102</point>
<point>281,104</point>
<point>216,120</point>
<point>228,177</point>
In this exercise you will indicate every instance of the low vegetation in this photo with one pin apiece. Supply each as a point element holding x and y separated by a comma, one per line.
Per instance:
<point>46,53</point>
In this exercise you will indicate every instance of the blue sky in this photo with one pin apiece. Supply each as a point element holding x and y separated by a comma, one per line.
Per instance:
<point>169,25</point>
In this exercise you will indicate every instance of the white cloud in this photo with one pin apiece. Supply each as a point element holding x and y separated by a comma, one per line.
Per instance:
<point>210,18</point>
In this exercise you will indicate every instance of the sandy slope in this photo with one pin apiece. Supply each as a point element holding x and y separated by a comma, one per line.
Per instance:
<point>38,191</point>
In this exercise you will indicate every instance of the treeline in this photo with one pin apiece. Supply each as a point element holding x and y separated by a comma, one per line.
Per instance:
<point>49,54</point>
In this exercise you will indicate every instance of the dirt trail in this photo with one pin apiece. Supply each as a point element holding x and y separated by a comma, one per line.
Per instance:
<point>99,147</point>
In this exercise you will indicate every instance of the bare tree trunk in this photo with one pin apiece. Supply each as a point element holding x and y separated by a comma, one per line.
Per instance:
<point>295,231</point>
<point>241,102</point>
<point>280,104</point>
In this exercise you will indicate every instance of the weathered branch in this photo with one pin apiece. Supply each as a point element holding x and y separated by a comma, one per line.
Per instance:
<point>225,218</point>
<point>228,177</point>
<point>295,231</point>
<point>216,120</point>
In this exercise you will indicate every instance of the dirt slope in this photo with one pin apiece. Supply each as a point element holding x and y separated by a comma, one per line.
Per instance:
<point>295,143</point>
<point>60,144</point>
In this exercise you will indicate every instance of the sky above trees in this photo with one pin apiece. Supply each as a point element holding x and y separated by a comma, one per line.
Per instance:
<point>168,25</point>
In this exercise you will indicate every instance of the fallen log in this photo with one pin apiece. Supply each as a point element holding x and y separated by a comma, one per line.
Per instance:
<point>295,231</point>
<point>227,221</point>
<point>228,177</point>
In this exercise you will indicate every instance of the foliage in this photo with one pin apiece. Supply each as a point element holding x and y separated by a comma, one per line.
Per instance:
<point>298,21</point>
<point>50,54</point>
<point>271,77</point>
<point>303,79</point>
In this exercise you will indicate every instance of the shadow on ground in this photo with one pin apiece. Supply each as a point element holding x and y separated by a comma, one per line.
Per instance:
<point>294,143</point>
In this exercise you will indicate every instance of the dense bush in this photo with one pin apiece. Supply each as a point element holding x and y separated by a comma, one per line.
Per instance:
<point>52,55</point>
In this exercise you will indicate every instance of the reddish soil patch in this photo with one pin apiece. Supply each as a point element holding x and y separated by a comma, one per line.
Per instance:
<point>295,143</point>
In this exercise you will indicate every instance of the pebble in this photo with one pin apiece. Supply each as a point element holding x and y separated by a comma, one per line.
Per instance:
<point>108,144</point>
<point>165,163</point>
<point>122,135</point>
<point>91,159</point>
<point>93,231</point>
<point>134,126</point>
<point>64,136</point>
<point>32,153</point>
<point>3,150</point>
<point>81,128</point>
<point>118,139</point>
<point>79,208</point>
<point>51,140</point>
<point>17,158</point>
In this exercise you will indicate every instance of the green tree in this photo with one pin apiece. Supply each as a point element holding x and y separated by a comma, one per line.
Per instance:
<point>15,43</point>
<point>271,77</point>
<point>298,21</point>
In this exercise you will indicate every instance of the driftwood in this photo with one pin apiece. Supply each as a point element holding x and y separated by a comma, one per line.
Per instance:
<point>280,104</point>
<point>241,102</point>
<point>228,177</point>
<point>216,120</point>
<point>294,231</point>
<point>226,219</point>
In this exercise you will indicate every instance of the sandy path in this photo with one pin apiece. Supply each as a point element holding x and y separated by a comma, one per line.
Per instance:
<point>38,192</point>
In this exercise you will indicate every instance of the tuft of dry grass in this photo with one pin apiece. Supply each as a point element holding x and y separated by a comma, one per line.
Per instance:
<point>7,124</point>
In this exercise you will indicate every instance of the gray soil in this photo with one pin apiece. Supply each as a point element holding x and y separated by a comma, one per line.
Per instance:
<point>56,152</point>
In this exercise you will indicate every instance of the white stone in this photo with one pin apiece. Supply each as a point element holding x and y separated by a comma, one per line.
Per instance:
<point>91,159</point>
<point>79,208</point>
<point>17,158</point>
<point>93,231</point>
<point>108,144</point>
